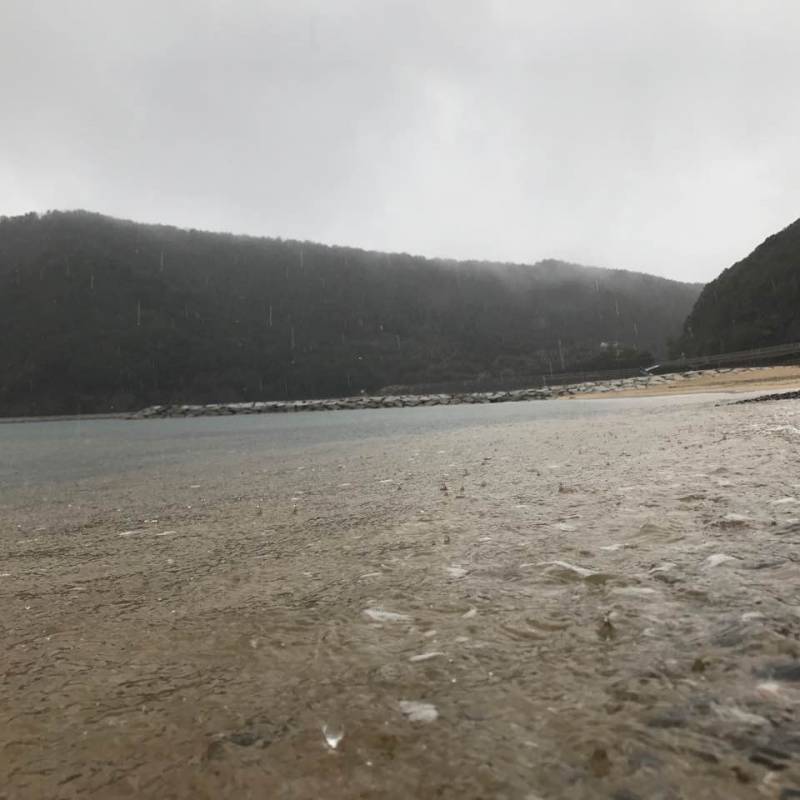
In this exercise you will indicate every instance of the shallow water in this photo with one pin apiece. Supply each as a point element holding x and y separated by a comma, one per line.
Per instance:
<point>39,452</point>
<point>524,607</point>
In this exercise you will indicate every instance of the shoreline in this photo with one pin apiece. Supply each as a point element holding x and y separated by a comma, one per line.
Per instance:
<point>725,380</point>
<point>66,417</point>
<point>692,382</point>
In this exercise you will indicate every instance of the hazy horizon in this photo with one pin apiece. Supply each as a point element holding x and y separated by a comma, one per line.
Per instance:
<point>657,139</point>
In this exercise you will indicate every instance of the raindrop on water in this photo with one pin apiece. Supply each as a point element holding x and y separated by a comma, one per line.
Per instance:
<point>333,733</point>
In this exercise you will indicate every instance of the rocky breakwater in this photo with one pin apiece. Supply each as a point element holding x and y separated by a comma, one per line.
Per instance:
<point>342,403</point>
<point>404,400</point>
<point>622,384</point>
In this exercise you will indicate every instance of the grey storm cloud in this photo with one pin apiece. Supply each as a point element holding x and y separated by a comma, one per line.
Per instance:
<point>643,134</point>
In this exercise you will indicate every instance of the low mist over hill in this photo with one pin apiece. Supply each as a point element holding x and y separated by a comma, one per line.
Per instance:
<point>99,314</point>
<point>754,303</point>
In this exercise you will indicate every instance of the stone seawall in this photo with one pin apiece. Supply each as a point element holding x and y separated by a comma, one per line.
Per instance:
<point>398,400</point>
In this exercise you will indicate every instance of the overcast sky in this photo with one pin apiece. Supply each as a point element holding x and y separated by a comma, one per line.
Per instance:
<point>643,134</point>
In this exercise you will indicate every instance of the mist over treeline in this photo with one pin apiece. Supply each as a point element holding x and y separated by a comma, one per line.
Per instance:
<point>754,303</point>
<point>100,314</point>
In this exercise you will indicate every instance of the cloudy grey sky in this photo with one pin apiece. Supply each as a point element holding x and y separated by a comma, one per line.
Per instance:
<point>659,135</point>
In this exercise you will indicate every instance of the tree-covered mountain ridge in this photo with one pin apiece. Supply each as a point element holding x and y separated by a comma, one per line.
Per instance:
<point>754,303</point>
<point>99,314</point>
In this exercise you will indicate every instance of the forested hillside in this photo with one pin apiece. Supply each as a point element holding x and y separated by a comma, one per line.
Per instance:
<point>754,303</point>
<point>102,314</point>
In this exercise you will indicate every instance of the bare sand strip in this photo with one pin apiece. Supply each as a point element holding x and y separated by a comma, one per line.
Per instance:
<point>743,379</point>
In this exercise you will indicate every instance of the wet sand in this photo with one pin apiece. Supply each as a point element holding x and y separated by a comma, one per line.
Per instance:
<point>605,607</point>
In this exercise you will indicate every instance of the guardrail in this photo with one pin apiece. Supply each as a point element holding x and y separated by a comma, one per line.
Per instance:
<point>530,381</point>
<point>754,357</point>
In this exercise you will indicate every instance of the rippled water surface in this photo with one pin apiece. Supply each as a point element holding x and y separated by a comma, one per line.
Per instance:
<point>38,452</point>
<point>592,599</point>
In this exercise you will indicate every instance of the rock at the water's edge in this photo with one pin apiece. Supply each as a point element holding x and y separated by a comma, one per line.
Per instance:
<point>392,400</point>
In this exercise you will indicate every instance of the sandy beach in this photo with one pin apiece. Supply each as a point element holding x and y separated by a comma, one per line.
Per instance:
<point>603,606</point>
<point>748,379</point>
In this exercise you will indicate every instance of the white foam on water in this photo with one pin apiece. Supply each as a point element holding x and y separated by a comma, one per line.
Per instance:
<point>426,656</point>
<point>736,518</point>
<point>456,571</point>
<point>379,615</point>
<point>582,572</point>
<point>419,712</point>
<point>733,714</point>
<point>719,558</point>
<point>660,569</point>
